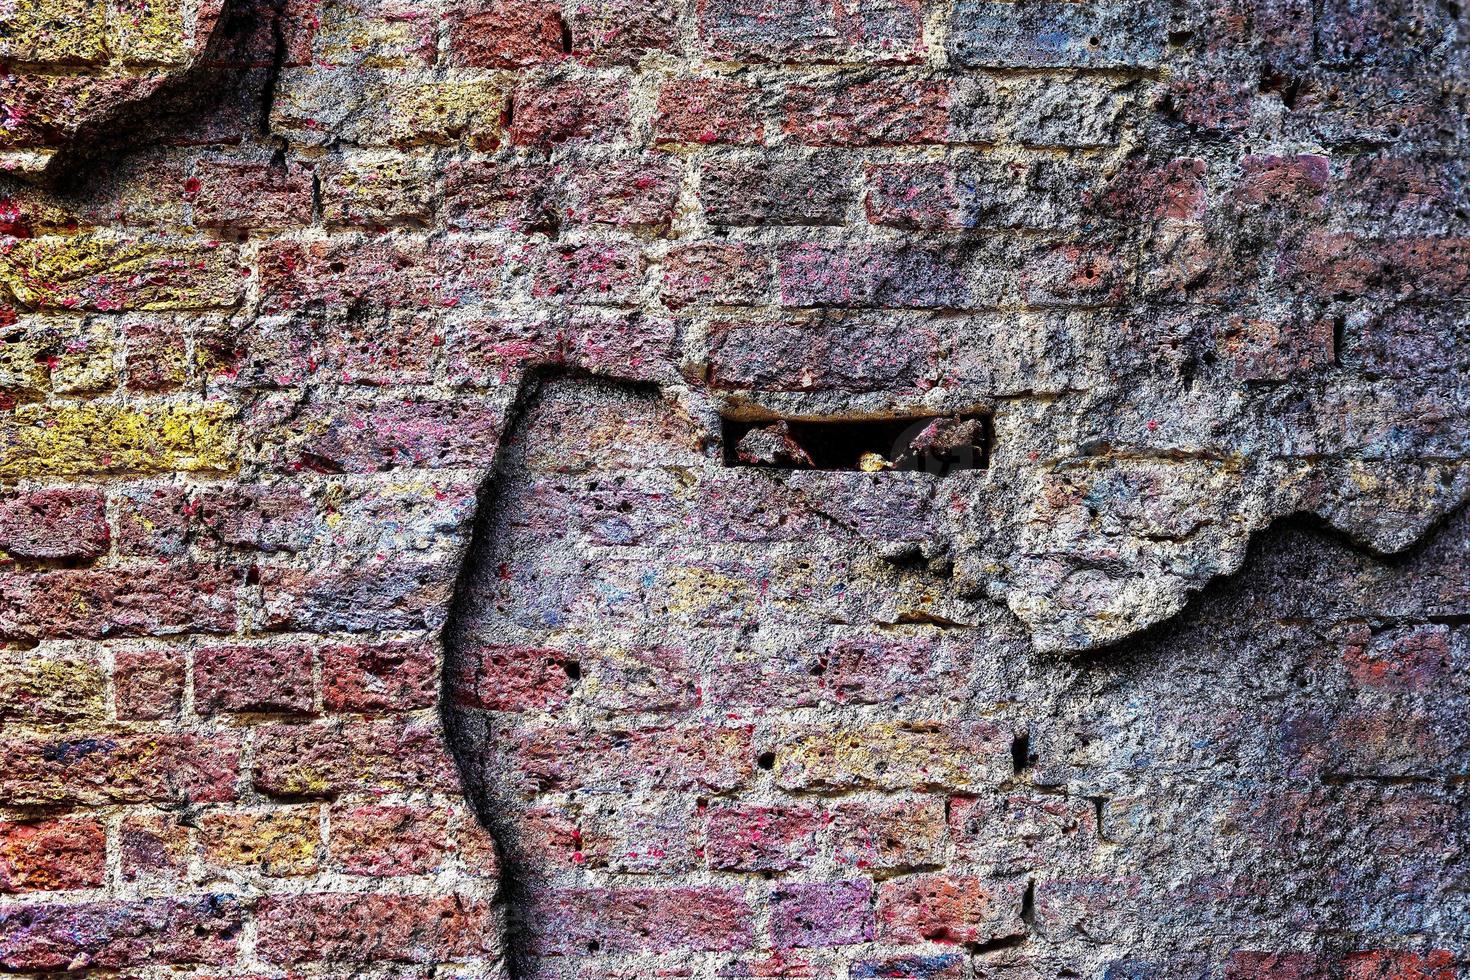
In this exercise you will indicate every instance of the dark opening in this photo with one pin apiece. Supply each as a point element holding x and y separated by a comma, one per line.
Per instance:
<point>882,444</point>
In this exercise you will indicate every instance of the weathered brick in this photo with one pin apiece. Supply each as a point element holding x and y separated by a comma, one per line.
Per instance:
<point>901,276</point>
<point>652,758</point>
<point>631,920</point>
<point>115,934</point>
<point>954,755</point>
<point>762,838</point>
<point>253,678</point>
<point>141,601</point>
<point>510,678</point>
<point>376,190</point>
<point>768,189</point>
<point>812,30</point>
<point>52,855</point>
<point>39,689</point>
<point>278,843</point>
<point>709,111</point>
<point>108,767</point>
<point>716,273</point>
<point>482,194</point>
<point>898,836</point>
<point>378,676</point>
<point>389,840</point>
<point>153,849</point>
<point>821,914</point>
<point>149,684</point>
<point>591,273</point>
<point>113,273</point>
<point>820,352</point>
<point>636,193</point>
<point>365,928</point>
<point>244,195</point>
<point>865,110</point>
<point>372,756</point>
<point>984,34</point>
<point>356,597</point>
<point>53,523</point>
<point>77,440</point>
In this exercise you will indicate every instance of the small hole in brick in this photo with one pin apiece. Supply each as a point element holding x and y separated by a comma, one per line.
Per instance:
<point>1021,752</point>
<point>566,38</point>
<point>573,669</point>
<point>933,444</point>
<point>766,760</point>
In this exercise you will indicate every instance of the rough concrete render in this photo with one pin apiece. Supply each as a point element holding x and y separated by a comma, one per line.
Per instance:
<point>830,489</point>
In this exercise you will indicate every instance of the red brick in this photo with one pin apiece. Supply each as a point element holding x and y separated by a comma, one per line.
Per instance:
<point>578,921</point>
<point>389,840</point>
<point>763,838</point>
<point>363,928</point>
<point>823,915</point>
<point>709,111</point>
<point>859,111</point>
<point>253,678</point>
<point>117,934</point>
<point>120,601</point>
<point>507,34</point>
<point>119,768</point>
<point>1414,659</point>
<point>53,523</point>
<point>52,855</point>
<point>370,756</point>
<point>154,849</point>
<point>553,111</point>
<point>639,193</point>
<point>379,676</point>
<point>716,273</point>
<point>244,195</point>
<point>480,194</point>
<point>593,273</point>
<point>514,678</point>
<point>149,684</point>
<point>937,908</point>
<point>1437,964</point>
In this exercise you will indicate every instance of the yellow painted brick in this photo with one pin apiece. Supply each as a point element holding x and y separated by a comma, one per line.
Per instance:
<point>279,843</point>
<point>75,440</point>
<point>70,32</point>
<point>151,32</point>
<point>107,273</point>
<point>51,688</point>
<point>962,756</point>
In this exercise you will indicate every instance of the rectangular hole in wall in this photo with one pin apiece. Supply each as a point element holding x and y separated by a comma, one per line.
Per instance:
<point>937,444</point>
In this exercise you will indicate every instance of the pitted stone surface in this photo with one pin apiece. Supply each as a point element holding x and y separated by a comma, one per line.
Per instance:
<point>275,291</point>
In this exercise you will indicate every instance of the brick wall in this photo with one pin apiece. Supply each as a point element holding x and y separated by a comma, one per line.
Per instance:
<point>382,592</point>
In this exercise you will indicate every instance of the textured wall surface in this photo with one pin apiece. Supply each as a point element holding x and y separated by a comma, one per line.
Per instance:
<point>438,539</point>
